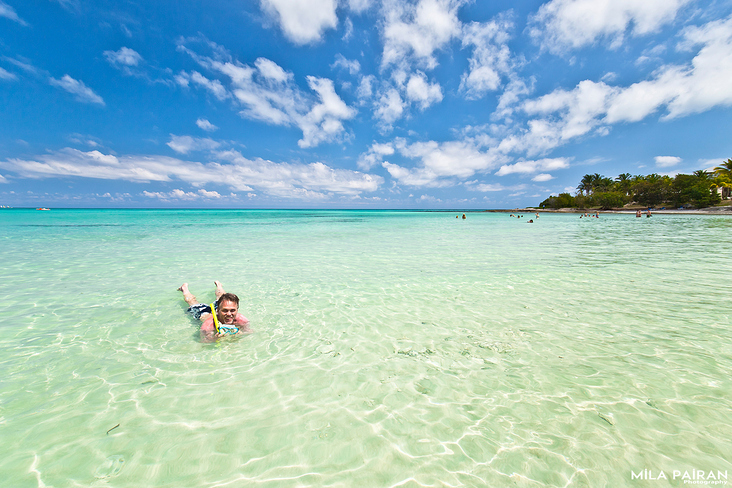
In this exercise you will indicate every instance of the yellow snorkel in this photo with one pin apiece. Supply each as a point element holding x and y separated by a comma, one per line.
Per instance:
<point>216,319</point>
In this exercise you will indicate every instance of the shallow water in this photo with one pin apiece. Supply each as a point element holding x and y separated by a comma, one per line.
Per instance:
<point>390,349</point>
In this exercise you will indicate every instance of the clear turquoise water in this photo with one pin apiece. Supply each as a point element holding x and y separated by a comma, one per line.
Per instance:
<point>390,349</point>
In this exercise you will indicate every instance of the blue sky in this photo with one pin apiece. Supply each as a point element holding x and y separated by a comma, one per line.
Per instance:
<point>354,103</point>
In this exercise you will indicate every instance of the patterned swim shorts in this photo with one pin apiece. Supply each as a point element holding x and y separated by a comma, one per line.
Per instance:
<point>199,309</point>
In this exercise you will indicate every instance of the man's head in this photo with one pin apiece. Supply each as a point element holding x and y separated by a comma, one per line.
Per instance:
<point>228,307</point>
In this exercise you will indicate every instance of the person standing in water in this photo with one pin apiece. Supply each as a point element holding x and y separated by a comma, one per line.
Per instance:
<point>224,320</point>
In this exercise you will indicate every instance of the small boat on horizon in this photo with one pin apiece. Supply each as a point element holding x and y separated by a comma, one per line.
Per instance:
<point>43,208</point>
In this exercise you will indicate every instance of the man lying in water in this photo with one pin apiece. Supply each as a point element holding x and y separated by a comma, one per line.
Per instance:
<point>228,320</point>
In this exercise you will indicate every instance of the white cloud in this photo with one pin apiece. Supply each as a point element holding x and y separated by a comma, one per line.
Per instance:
<point>206,125</point>
<point>419,90</point>
<point>374,156</point>
<point>323,122</point>
<point>213,86</point>
<point>209,194</point>
<point>3,179</point>
<point>491,56</point>
<point>298,180</point>
<point>6,75</point>
<point>271,70</point>
<point>667,161</point>
<point>698,86</point>
<point>528,167</point>
<point>542,177</point>
<point>416,31</point>
<point>389,107</point>
<point>514,91</point>
<point>186,144</point>
<point>78,88</point>
<point>359,6</point>
<point>365,87</point>
<point>562,24</point>
<point>182,79</point>
<point>301,181</point>
<point>9,13</point>
<point>124,57</point>
<point>440,163</point>
<point>353,67</point>
<point>303,21</point>
<point>268,93</point>
<point>24,65</point>
<point>181,195</point>
<point>580,108</point>
<point>485,187</point>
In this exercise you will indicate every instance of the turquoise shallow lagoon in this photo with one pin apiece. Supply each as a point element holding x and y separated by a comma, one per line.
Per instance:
<point>390,349</point>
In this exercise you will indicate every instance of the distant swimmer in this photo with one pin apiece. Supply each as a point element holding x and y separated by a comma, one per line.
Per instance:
<point>638,214</point>
<point>464,217</point>
<point>648,214</point>
<point>531,221</point>
<point>225,321</point>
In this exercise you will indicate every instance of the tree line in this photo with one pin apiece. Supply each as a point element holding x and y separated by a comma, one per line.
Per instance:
<point>700,189</point>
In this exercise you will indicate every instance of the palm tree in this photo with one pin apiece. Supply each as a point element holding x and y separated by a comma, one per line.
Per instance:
<point>586,184</point>
<point>723,178</point>
<point>726,168</point>
<point>624,183</point>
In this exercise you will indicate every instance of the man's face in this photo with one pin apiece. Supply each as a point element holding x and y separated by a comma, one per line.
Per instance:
<point>227,312</point>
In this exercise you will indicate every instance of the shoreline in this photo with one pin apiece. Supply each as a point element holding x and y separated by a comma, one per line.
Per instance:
<point>700,211</point>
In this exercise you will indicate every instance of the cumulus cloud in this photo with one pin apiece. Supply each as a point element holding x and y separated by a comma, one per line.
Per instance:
<point>528,167</point>
<point>79,89</point>
<point>491,187</point>
<point>667,161</point>
<point>365,87</point>
<point>415,31</point>
<point>563,24</point>
<point>178,194</point>
<point>352,66</point>
<point>542,177</point>
<point>230,169</point>
<point>419,90</point>
<point>359,6</point>
<point>9,13</point>
<point>323,122</point>
<point>206,125</point>
<point>580,108</point>
<point>695,87</point>
<point>272,71</point>
<point>299,180</point>
<point>389,107</point>
<point>440,163</point>
<point>124,57</point>
<point>186,144</point>
<point>375,155</point>
<point>509,99</point>
<point>303,21</point>
<point>212,86</point>
<point>268,93</point>
<point>491,56</point>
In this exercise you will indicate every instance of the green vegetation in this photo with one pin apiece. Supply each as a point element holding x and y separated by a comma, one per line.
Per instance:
<point>699,190</point>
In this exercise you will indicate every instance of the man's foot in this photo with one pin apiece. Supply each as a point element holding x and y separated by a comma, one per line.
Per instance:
<point>187,295</point>
<point>219,289</point>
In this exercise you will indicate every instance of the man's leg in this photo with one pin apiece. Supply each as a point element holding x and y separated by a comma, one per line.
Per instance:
<point>219,290</point>
<point>187,295</point>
